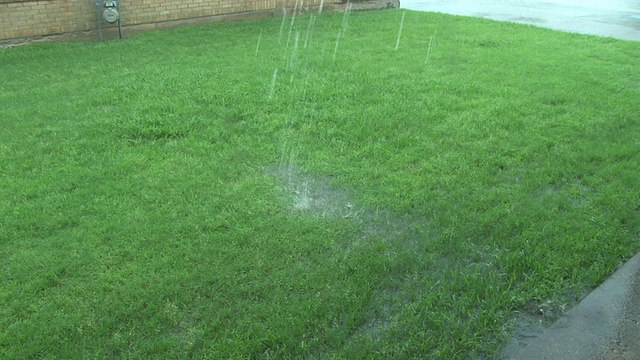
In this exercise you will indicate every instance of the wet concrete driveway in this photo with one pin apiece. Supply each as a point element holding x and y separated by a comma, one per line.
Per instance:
<point>613,18</point>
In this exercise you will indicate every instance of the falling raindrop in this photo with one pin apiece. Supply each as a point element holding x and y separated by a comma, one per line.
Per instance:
<point>258,45</point>
<point>284,16</point>
<point>432,39</point>
<point>294,53</point>
<point>310,27</point>
<point>293,19</point>
<point>400,31</point>
<point>273,83</point>
<point>335,50</point>
<point>345,18</point>
<point>343,28</point>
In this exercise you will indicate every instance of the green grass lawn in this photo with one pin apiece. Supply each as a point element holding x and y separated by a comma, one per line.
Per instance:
<point>317,187</point>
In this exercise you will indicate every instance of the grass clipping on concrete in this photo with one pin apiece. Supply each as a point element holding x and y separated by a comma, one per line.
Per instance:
<point>349,185</point>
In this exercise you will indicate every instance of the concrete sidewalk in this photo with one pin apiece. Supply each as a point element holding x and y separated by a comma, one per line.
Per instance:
<point>604,325</point>
<point>611,18</point>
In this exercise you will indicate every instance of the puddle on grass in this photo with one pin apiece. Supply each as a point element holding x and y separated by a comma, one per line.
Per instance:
<point>577,193</point>
<point>400,233</point>
<point>403,235</point>
<point>316,196</point>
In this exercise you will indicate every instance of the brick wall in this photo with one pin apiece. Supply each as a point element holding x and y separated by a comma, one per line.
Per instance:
<point>32,18</point>
<point>21,19</point>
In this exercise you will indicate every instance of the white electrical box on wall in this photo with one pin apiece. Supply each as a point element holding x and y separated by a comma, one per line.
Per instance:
<point>109,12</point>
<point>110,15</point>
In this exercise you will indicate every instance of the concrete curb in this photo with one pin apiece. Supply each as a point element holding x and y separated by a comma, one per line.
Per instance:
<point>604,325</point>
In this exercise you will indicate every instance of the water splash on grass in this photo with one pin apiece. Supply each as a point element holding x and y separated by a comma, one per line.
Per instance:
<point>317,196</point>
<point>311,195</point>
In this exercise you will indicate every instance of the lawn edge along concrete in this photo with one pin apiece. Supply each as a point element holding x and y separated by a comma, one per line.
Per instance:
<point>604,325</point>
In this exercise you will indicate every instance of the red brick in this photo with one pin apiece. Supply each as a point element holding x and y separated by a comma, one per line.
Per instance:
<point>40,17</point>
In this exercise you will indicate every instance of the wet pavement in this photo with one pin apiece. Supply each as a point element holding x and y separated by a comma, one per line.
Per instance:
<point>612,18</point>
<point>605,325</point>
